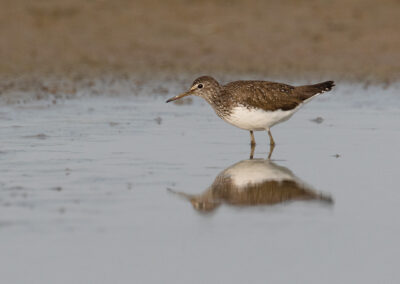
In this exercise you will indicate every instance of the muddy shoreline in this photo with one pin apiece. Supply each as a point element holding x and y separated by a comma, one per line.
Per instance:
<point>71,41</point>
<point>53,89</point>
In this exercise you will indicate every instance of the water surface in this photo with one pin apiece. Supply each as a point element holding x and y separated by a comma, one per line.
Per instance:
<point>86,193</point>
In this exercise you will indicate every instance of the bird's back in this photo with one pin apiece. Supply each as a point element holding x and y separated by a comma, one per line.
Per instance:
<point>270,96</point>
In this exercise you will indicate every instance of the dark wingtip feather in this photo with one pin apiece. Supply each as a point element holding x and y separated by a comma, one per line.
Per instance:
<point>325,86</point>
<point>308,91</point>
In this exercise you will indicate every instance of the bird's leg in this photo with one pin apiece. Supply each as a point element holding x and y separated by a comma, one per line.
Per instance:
<point>271,144</point>
<point>271,139</point>
<point>271,149</point>
<point>252,144</point>
<point>253,147</point>
<point>253,141</point>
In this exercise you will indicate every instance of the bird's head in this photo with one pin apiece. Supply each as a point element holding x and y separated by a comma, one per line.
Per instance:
<point>204,86</point>
<point>204,205</point>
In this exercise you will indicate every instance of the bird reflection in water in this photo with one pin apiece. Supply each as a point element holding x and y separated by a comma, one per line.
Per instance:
<point>253,182</point>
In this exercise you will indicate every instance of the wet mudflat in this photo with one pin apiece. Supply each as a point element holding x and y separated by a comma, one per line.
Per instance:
<point>101,190</point>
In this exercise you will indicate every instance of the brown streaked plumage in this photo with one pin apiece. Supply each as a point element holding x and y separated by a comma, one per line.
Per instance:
<point>271,96</point>
<point>252,183</point>
<point>254,105</point>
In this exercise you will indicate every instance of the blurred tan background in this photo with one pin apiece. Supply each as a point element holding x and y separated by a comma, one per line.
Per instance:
<point>354,40</point>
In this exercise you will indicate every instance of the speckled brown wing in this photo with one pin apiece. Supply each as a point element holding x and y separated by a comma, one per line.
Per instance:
<point>265,95</point>
<point>271,96</point>
<point>267,193</point>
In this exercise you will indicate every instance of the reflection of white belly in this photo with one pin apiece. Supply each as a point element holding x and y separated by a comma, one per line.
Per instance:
<point>257,119</point>
<point>255,172</point>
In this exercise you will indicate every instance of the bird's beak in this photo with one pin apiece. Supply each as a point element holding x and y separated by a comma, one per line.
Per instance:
<point>179,96</point>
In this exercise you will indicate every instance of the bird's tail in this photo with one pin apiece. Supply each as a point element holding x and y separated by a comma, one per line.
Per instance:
<point>323,87</point>
<point>325,198</point>
<point>308,91</point>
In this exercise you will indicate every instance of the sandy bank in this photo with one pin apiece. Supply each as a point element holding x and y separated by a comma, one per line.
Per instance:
<point>294,40</point>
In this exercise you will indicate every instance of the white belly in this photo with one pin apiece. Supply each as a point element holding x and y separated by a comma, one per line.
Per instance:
<point>257,119</point>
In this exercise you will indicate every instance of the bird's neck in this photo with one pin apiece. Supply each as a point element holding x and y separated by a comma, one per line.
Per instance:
<point>212,95</point>
<point>218,101</point>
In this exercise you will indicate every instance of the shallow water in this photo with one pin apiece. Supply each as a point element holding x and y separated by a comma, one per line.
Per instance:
<point>87,193</point>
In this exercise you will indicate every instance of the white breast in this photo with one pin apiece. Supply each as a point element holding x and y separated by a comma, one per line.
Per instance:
<point>257,119</point>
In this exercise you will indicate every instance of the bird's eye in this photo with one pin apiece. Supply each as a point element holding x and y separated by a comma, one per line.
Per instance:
<point>200,86</point>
